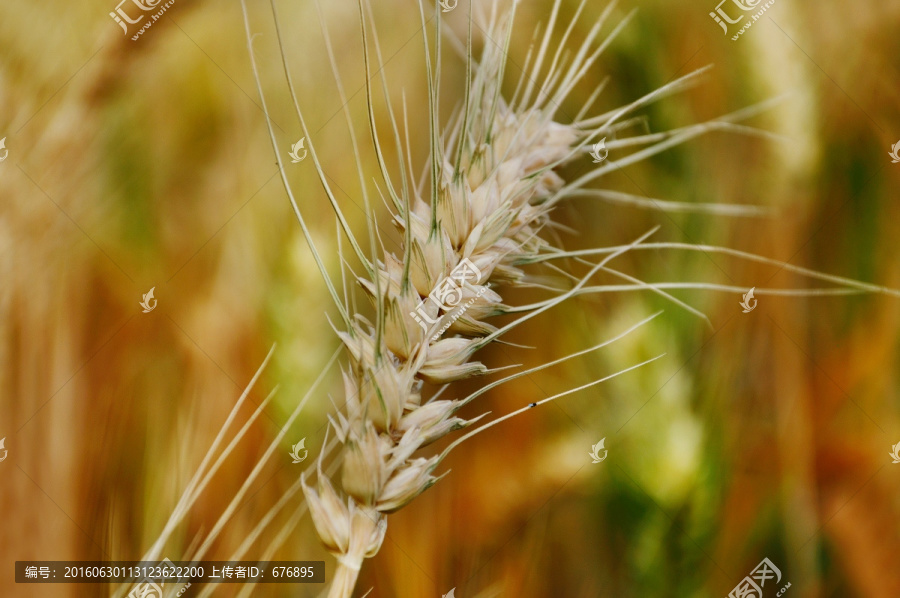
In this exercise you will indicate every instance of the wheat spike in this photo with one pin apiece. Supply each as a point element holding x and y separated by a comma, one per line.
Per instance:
<point>488,202</point>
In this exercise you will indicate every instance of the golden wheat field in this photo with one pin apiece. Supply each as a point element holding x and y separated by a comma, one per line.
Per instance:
<point>457,299</point>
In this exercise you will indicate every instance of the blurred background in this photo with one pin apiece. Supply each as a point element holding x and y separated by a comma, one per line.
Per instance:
<point>146,164</point>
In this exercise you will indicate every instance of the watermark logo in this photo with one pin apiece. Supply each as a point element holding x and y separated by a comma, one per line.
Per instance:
<point>146,589</point>
<point>295,451</point>
<point>724,19</point>
<point>748,297</point>
<point>895,455</point>
<point>600,146</point>
<point>449,594</point>
<point>124,20</point>
<point>894,153</point>
<point>447,6</point>
<point>595,451</point>
<point>146,302</point>
<point>447,295</point>
<point>6,151</point>
<point>3,448</point>
<point>752,585</point>
<point>295,149</point>
<point>121,17</point>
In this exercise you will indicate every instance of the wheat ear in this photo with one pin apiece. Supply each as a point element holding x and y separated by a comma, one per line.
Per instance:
<point>488,202</point>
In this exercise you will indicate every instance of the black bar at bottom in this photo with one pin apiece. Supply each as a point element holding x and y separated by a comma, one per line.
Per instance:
<point>170,572</point>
